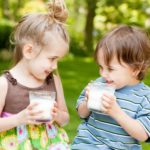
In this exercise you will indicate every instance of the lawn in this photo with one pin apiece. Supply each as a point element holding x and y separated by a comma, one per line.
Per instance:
<point>75,74</point>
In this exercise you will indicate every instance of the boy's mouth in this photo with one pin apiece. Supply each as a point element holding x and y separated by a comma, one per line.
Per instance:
<point>109,81</point>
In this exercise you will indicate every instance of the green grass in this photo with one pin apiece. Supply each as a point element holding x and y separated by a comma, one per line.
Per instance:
<point>75,74</point>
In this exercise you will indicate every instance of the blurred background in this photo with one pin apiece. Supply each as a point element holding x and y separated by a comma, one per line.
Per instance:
<point>88,21</point>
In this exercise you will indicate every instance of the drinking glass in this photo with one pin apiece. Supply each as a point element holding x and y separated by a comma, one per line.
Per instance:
<point>45,100</point>
<point>96,90</point>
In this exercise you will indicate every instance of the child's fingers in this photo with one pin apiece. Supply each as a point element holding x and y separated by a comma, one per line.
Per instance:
<point>32,105</point>
<point>87,93</point>
<point>55,104</point>
<point>109,95</point>
<point>106,99</point>
<point>86,98</point>
<point>34,112</point>
<point>103,109</point>
<point>106,104</point>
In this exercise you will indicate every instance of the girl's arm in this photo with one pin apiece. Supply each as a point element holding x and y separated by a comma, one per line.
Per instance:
<point>131,126</point>
<point>10,122</point>
<point>62,117</point>
<point>26,116</point>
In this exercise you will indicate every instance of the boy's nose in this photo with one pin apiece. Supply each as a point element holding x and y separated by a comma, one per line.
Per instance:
<point>104,74</point>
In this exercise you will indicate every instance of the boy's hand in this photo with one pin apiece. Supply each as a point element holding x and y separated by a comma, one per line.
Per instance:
<point>109,104</point>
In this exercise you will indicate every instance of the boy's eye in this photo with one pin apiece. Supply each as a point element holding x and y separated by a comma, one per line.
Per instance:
<point>110,69</point>
<point>100,67</point>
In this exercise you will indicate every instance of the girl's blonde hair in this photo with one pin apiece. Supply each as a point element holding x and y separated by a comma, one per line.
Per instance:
<point>129,44</point>
<point>32,27</point>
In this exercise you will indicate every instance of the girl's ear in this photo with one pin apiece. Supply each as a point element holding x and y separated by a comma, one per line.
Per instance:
<point>28,52</point>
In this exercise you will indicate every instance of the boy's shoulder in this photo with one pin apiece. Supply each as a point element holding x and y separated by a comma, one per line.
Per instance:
<point>146,90</point>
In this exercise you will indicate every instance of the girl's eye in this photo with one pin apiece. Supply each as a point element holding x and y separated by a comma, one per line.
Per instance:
<point>52,59</point>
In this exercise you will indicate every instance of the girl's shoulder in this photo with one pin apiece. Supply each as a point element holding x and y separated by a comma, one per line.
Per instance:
<point>3,83</point>
<point>3,91</point>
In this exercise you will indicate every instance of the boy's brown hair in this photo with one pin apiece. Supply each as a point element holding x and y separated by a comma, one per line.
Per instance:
<point>129,44</point>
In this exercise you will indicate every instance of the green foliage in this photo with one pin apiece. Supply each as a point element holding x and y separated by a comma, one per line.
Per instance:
<point>5,31</point>
<point>76,47</point>
<point>110,13</point>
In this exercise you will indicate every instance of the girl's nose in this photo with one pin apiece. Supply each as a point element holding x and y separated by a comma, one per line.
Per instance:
<point>54,66</point>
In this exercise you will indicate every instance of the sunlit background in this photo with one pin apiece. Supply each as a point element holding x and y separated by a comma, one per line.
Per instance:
<point>87,22</point>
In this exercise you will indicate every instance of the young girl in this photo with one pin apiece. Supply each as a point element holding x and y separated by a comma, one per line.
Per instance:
<point>40,41</point>
<point>123,56</point>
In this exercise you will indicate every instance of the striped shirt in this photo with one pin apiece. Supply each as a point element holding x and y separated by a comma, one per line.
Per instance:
<point>100,131</point>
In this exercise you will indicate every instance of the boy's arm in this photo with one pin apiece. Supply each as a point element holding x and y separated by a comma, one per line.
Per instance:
<point>132,126</point>
<point>83,111</point>
<point>82,108</point>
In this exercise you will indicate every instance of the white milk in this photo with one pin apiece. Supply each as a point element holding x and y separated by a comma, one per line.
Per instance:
<point>45,102</point>
<point>95,93</point>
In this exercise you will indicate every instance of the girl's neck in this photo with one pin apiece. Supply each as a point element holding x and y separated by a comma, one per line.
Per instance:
<point>21,73</point>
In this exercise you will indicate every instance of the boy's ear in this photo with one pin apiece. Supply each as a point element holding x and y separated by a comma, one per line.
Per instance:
<point>136,71</point>
<point>28,52</point>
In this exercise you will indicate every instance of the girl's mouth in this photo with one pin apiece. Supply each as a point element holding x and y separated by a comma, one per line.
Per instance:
<point>47,72</point>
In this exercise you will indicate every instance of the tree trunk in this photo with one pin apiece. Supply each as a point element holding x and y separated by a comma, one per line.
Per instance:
<point>88,42</point>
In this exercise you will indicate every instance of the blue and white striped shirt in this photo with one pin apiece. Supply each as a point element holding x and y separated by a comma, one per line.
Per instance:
<point>100,131</point>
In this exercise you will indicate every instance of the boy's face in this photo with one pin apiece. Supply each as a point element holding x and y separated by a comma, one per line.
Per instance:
<point>116,74</point>
<point>46,60</point>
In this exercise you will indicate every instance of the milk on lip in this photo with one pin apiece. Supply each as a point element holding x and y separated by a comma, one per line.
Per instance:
<point>96,90</point>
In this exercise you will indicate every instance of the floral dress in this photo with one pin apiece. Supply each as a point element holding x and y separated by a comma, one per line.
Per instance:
<point>34,137</point>
<point>29,137</point>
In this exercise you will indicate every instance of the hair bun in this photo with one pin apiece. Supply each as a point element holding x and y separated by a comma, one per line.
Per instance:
<point>58,10</point>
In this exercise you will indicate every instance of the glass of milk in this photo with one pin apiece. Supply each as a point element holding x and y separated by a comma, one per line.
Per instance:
<point>45,100</point>
<point>96,90</point>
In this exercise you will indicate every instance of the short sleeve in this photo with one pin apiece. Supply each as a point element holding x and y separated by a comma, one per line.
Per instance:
<point>144,115</point>
<point>80,98</point>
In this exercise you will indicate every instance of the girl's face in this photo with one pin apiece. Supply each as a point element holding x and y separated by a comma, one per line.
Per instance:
<point>45,62</point>
<point>116,74</point>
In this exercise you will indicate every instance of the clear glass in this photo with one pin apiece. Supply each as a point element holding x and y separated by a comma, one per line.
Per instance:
<point>45,100</point>
<point>96,90</point>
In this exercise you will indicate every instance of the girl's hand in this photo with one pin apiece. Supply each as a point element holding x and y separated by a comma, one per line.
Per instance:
<point>55,112</point>
<point>29,115</point>
<point>109,104</point>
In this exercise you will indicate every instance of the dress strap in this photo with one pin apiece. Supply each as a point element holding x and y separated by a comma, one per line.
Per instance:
<point>10,78</point>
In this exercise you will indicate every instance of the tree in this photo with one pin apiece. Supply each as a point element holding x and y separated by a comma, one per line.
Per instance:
<point>88,32</point>
<point>5,9</point>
